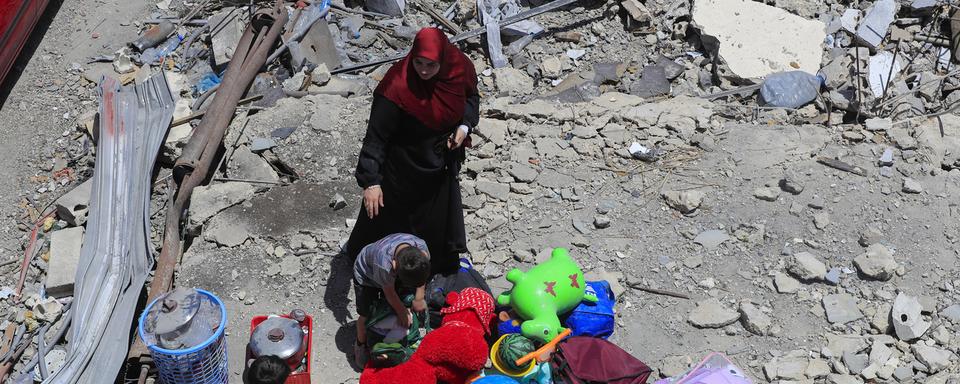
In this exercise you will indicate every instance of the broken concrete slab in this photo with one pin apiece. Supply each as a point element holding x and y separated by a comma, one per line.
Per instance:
<point>935,359</point>
<point>225,31</point>
<point>249,166</point>
<point>65,247</point>
<point>210,200</point>
<point>753,319</point>
<point>226,231</point>
<point>876,23</point>
<point>711,239</point>
<point>287,210</point>
<point>74,205</point>
<point>785,283</point>
<point>756,39</point>
<point>653,82</point>
<point>951,313</point>
<point>807,267</point>
<point>906,317</point>
<point>841,308</point>
<point>512,81</point>
<point>710,313</point>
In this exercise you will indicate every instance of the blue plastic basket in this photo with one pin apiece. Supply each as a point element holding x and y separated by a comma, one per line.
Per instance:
<point>203,364</point>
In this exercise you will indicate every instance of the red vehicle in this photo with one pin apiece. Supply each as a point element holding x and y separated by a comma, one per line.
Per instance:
<point>17,19</point>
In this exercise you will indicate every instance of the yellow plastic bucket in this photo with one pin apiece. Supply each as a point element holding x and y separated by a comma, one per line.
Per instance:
<point>496,364</point>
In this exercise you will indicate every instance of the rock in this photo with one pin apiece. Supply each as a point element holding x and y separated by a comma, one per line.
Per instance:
<point>601,222</point>
<point>613,278</point>
<point>710,313</point>
<point>512,81</point>
<point>495,130</point>
<point>855,362</point>
<point>224,231</point>
<point>711,239</point>
<point>841,308</point>
<point>653,82</point>
<point>785,284</point>
<point>337,202</point>
<point>881,319</point>
<point>875,24</point>
<point>907,321</point>
<point>555,180</point>
<point>833,276</point>
<point>753,319</point>
<point>886,159</point>
<point>935,359</point>
<point>903,374</point>
<point>880,353</point>
<point>683,201</point>
<point>821,220</point>
<point>523,173</point>
<point>672,366</point>
<point>551,67</point>
<point>290,265</point>
<point>807,267</point>
<point>834,378</point>
<point>260,144</point>
<point>303,241</point>
<point>869,236</point>
<point>65,247</point>
<point>766,194</point>
<point>73,206</point>
<point>495,190</point>
<point>817,368</point>
<point>47,310</point>
<point>876,263</point>
<point>251,166</point>
<point>212,199</point>
<point>756,39</point>
<point>637,10</point>
<point>911,186</point>
<point>951,313</point>
<point>122,62</point>
<point>791,186</point>
<point>878,124</point>
<point>226,30</point>
<point>789,367</point>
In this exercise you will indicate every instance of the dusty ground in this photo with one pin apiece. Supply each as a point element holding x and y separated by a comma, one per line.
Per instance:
<point>287,256</point>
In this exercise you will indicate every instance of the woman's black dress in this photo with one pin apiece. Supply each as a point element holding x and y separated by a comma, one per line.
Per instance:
<point>418,176</point>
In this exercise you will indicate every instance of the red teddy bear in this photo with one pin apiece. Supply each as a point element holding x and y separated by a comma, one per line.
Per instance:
<point>453,353</point>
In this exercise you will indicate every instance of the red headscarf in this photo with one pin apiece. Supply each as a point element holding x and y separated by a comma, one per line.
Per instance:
<point>438,102</point>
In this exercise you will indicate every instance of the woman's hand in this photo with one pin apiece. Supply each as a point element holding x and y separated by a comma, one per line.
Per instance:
<point>373,200</point>
<point>456,139</point>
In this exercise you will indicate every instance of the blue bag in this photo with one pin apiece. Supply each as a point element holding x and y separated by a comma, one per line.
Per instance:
<point>594,319</point>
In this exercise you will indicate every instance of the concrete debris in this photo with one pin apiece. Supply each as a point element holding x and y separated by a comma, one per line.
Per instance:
<point>711,239</point>
<point>73,206</point>
<point>65,247</point>
<point>754,320</point>
<point>756,39</point>
<point>710,313</point>
<point>876,23</point>
<point>337,202</point>
<point>512,81</point>
<point>876,263</point>
<point>683,201</point>
<point>791,186</point>
<point>766,194</point>
<point>907,321</point>
<point>841,308</point>
<point>807,267</point>
<point>869,236</point>
<point>911,186</point>
<point>951,313</point>
<point>785,284</point>
<point>883,66</point>
<point>225,31</point>
<point>210,200</point>
<point>789,367</point>
<point>856,362</point>
<point>821,220</point>
<point>47,310</point>
<point>934,359</point>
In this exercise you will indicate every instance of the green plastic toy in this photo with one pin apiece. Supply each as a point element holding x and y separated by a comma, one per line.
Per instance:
<point>546,291</point>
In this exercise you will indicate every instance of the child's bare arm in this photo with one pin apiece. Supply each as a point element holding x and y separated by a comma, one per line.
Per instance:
<point>403,315</point>
<point>419,304</point>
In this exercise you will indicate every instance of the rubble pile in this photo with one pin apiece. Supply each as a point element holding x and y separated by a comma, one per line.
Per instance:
<point>755,163</point>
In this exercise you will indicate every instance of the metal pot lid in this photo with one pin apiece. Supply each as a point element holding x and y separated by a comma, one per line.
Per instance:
<point>175,311</point>
<point>277,336</point>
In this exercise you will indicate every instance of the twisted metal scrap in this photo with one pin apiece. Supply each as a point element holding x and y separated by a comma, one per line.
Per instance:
<point>116,255</point>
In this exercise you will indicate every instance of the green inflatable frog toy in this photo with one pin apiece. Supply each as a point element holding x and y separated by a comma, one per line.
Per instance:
<point>546,291</point>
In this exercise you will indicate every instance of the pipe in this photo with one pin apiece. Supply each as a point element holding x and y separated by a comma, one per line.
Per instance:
<point>193,165</point>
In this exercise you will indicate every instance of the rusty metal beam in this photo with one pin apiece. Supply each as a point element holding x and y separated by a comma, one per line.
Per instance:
<point>192,167</point>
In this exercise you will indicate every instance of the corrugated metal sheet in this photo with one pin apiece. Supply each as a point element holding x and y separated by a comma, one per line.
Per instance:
<point>116,256</point>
